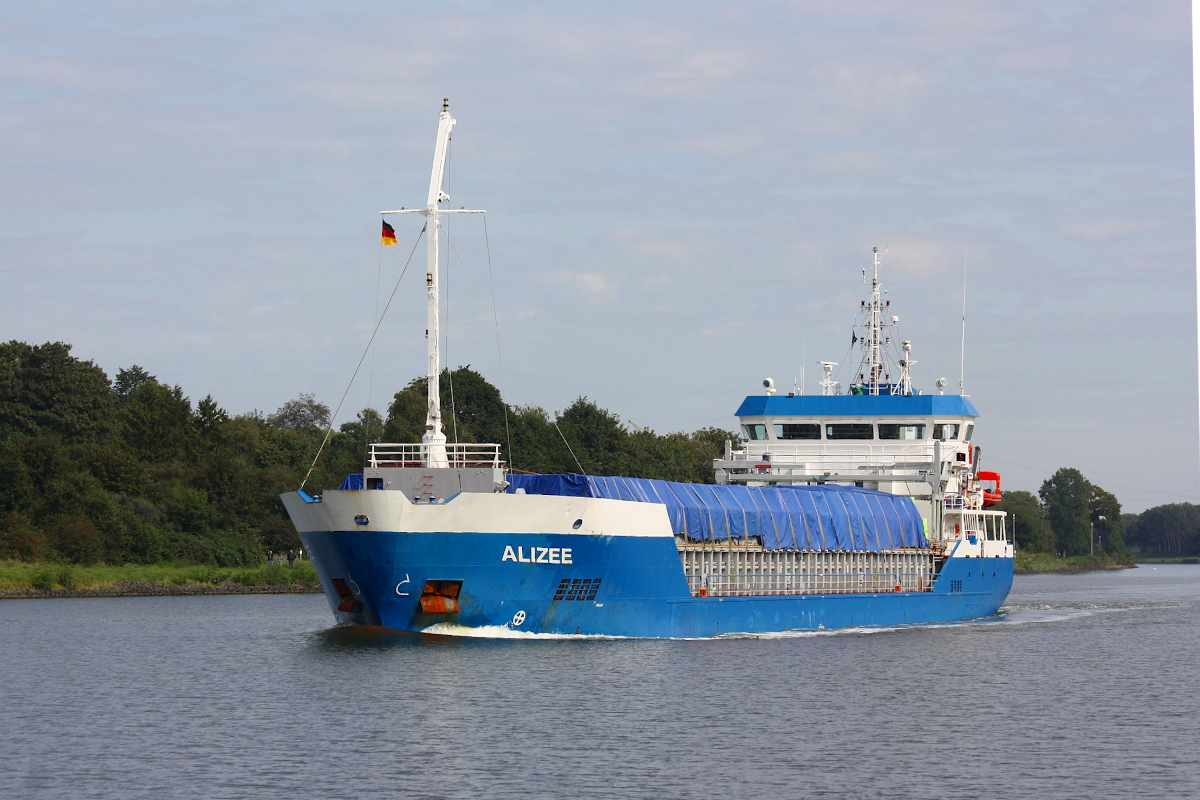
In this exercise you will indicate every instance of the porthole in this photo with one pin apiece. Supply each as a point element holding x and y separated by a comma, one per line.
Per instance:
<point>577,524</point>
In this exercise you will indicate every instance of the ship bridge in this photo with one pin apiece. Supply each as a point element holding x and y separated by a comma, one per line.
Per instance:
<point>896,443</point>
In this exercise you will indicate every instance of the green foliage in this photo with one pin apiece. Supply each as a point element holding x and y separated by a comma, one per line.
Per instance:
<point>1066,495</point>
<point>406,414</point>
<point>157,424</point>
<point>46,391</point>
<point>66,577</point>
<point>531,443</point>
<point>129,380</point>
<point>303,415</point>
<point>49,576</point>
<point>19,539</point>
<point>1027,561</point>
<point>1105,513</point>
<point>1167,530</point>
<point>131,473</point>
<point>1027,519</point>
<point>42,580</point>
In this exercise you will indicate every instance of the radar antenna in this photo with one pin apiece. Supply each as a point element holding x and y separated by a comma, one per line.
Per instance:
<point>829,385</point>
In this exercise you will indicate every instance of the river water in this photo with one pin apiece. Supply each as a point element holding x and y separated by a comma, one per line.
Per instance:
<point>1085,686</point>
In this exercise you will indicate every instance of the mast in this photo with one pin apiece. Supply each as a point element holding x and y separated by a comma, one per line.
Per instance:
<point>872,335</point>
<point>434,438</point>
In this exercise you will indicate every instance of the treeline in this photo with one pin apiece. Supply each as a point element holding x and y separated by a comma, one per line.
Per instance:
<point>1168,530</point>
<point>130,470</point>
<point>1069,515</point>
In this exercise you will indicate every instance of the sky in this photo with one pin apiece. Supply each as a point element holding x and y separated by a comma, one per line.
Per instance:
<point>681,199</point>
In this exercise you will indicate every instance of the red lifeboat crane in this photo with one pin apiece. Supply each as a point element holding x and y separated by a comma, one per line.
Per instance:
<point>990,483</point>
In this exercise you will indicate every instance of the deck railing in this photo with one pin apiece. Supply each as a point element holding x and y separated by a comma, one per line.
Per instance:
<point>733,571</point>
<point>460,456</point>
<point>830,457</point>
<point>760,585</point>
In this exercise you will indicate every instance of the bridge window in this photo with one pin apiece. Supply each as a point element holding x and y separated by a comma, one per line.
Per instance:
<point>904,430</point>
<point>756,431</point>
<point>946,431</point>
<point>968,432</point>
<point>801,430</point>
<point>850,430</point>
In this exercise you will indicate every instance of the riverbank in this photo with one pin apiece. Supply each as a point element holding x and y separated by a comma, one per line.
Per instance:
<point>1040,563</point>
<point>29,580</point>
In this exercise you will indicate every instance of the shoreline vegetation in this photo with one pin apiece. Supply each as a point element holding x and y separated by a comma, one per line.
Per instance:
<point>20,579</point>
<point>1027,563</point>
<point>124,485</point>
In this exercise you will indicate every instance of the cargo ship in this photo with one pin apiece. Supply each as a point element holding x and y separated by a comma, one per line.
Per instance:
<point>855,507</point>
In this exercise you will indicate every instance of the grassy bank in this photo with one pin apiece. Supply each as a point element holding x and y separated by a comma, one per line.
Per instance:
<point>1168,560</point>
<point>1027,563</point>
<point>18,577</point>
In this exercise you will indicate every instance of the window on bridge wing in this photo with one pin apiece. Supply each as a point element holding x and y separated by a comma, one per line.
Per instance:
<point>797,430</point>
<point>756,431</point>
<point>850,430</point>
<point>902,430</point>
<point>946,431</point>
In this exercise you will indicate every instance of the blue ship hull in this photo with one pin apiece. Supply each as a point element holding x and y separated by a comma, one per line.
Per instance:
<point>639,588</point>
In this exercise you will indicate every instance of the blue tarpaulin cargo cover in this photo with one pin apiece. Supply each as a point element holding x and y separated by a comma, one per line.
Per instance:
<point>826,517</point>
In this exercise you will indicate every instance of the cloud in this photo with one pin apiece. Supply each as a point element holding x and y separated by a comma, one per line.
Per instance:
<point>651,174</point>
<point>1111,226</point>
<point>595,284</point>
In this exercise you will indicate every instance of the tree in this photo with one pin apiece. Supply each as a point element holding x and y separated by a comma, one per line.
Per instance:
<point>304,414</point>
<point>1027,519</point>
<point>597,437</point>
<point>367,427</point>
<point>156,422</point>
<point>129,380</point>
<point>1066,495</point>
<point>472,409</point>
<point>44,389</point>
<point>469,400</point>
<point>1167,530</point>
<point>1105,512</point>
<point>406,415</point>
<point>210,417</point>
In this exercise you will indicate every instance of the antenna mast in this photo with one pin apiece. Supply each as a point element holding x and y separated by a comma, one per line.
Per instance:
<point>434,437</point>
<point>962,364</point>
<point>871,335</point>
<point>803,360</point>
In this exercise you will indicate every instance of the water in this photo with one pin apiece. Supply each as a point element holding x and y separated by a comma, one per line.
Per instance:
<point>1085,687</point>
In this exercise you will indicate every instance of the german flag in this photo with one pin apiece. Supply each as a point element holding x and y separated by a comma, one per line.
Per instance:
<point>389,233</point>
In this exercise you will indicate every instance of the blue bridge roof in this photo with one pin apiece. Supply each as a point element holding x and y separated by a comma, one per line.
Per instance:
<point>850,405</point>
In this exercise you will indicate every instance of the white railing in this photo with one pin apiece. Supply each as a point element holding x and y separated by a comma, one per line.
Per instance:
<point>988,525</point>
<point>731,571</point>
<point>461,456</point>
<point>824,457</point>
